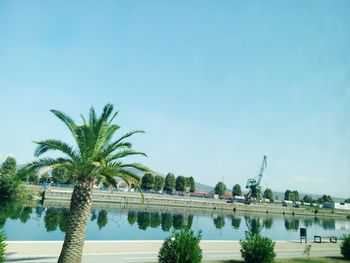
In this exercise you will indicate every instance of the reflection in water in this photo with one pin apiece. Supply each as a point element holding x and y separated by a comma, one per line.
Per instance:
<point>291,224</point>
<point>132,217</point>
<point>143,220</point>
<point>93,216</point>
<point>317,221</point>
<point>254,224</point>
<point>167,221</point>
<point>236,222</point>
<point>177,222</point>
<point>268,222</point>
<point>25,214</point>
<point>219,222</point>
<point>189,220</point>
<point>12,210</point>
<point>56,217</point>
<point>307,222</point>
<point>39,211</point>
<point>328,224</point>
<point>155,220</point>
<point>102,219</point>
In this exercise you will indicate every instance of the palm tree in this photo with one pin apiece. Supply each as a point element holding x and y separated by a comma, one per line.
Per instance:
<point>95,157</point>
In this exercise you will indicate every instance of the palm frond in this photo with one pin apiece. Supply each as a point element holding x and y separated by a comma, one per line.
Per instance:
<point>114,115</point>
<point>83,118</point>
<point>111,131</point>
<point>123,154</point>
<point>55,145</point>
<point>92,117</point>
<point>109,179</point>
<point>137,166</point>
<point>84,140</point>
<point>49,162</point>
<point>113,147</point>
<point>128,135</point>
<point>68,121</point>
<point>106,112</point>
<point>100,138</point>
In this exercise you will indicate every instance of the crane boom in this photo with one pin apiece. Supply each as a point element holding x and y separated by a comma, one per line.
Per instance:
<point>262,169</point>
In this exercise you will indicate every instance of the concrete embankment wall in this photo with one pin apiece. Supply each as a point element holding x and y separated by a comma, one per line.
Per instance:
<point>193,203</point>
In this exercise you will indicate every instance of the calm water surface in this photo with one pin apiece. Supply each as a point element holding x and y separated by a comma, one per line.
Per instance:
<point>49,223</point>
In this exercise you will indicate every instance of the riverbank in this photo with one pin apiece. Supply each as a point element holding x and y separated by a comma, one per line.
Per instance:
<point>147,251</point>
<point>156,200</point>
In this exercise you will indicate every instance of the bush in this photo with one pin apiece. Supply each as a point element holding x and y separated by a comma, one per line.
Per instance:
<point>8,186</point>
<point>181,247</point>
<point>345,247</point>
<point>2,246</point>
<point>257,249</point>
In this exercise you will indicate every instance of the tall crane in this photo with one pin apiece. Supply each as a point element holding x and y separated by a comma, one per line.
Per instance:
<point>253,184</point>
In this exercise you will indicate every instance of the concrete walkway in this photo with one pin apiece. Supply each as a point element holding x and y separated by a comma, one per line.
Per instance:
<point>147,251</point>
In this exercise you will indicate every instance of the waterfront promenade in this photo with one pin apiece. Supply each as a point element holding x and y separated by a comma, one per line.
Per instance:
<point>147,251</point>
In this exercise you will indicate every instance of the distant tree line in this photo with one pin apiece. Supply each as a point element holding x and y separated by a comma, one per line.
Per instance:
<point>294,196</point>
<point>168,184</point>
<point>291,195</point>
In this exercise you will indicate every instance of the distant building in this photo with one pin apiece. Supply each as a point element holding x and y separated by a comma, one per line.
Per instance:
<point>198,194</point>
<point>335,205</point>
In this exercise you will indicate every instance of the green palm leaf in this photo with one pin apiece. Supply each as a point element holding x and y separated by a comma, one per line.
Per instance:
<point>55,145</point>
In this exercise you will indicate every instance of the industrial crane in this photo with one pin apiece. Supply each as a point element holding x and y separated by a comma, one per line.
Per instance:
<point>253,184</point>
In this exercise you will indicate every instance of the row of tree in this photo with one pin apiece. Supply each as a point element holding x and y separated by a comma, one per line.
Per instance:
<point>294,196</point>
<point>168,184</point>
<point>220,189</point>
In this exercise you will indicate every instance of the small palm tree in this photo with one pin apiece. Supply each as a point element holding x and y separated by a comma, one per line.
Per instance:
<point>95,157</point>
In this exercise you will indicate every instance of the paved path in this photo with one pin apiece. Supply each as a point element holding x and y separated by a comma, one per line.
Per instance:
<point>147,251</point>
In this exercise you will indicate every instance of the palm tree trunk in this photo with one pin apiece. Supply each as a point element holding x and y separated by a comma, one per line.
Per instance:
<point>80,205</point>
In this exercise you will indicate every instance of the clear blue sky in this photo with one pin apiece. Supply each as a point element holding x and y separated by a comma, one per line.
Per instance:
<point>215,84</point>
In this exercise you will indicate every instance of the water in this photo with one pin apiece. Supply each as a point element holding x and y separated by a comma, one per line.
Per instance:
<point>139,223</point>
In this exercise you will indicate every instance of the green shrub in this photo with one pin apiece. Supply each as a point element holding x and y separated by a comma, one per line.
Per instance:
<point>257,249</point>
<point>181,247</point>
<point>8,186</point>
<point>2,246</point>
<point>345,247</point>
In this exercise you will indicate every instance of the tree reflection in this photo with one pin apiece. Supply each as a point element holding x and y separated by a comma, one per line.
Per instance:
<point>308,222</point>
<point>236,222</point>
<point>177,221</point>
<point>167,221</point>
<point>39,210</point>
<point>102,219</point>
<point>219,222</point>
<point>254,225</point>
<point>143,220</point>
<point>132,217</point>
<point>189,221</point>
<point>63,225</point>
<point>291,224</point>
<point>25,214</point>
<point>56,217</point>
<point>268,221</point>
<point>328,224</point>
<point>9,209</point>
<point>155,220</point>
<point>317,221</point>
<point>93,216</point>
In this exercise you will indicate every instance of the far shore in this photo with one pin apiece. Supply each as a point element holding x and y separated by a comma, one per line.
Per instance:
<point>61,197</point>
